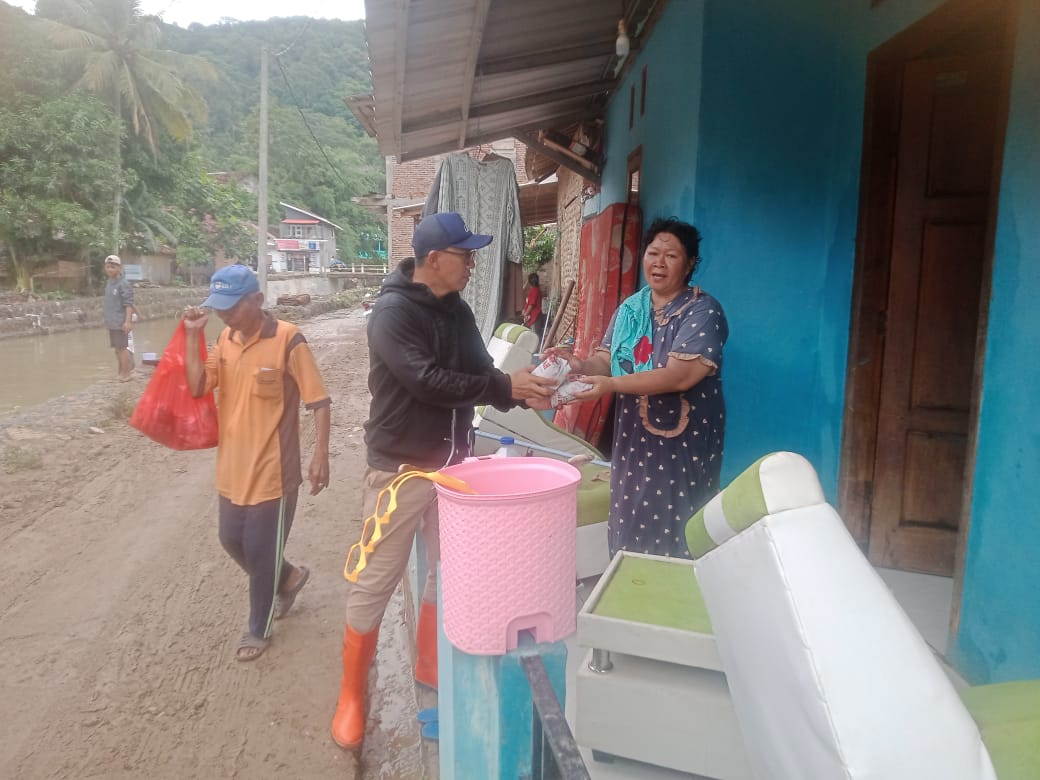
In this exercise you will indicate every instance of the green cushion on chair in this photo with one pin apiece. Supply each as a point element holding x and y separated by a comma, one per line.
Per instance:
<point>510,331</point>
<point>773,483</point>
<point>1008,716</point>
<point>593,494</point>
<point>657,591</point>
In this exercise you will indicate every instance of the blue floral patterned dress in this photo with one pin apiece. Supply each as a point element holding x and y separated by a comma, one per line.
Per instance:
<point>667,453</point>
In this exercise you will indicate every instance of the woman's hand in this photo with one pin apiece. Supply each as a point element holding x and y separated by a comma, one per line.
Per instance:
<point>576,363</point>
<point>601,386</point>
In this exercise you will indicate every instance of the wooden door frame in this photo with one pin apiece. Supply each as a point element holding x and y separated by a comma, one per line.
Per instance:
<point>873,248</point>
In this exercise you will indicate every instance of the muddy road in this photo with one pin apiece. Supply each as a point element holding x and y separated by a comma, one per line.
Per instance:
<point>120,612</point>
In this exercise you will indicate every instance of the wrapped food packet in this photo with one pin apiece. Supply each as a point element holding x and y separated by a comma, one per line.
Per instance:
<point>555,368</point>
<point>558,369</point>
<point>565,393</point>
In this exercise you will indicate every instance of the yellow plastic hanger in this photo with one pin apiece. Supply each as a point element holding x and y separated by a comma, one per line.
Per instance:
<point>372,530</point>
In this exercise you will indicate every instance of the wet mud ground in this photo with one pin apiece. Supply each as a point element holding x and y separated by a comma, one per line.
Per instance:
<point>120,612</point>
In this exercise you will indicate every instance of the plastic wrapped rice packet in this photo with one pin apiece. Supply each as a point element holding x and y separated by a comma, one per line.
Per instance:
<point>558,369</point>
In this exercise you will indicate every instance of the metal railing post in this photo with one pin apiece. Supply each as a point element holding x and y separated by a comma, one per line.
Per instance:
<point>562,760</point>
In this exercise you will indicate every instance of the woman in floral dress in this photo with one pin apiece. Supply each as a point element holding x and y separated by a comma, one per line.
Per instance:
<point>662,356</point>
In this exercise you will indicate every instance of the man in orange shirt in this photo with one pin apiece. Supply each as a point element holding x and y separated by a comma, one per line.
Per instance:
<point>263,369</point>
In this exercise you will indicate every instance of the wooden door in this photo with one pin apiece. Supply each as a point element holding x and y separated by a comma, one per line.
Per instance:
<point>944,164</point>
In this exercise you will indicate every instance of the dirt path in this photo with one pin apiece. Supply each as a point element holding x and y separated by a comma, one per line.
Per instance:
<point>119,611</point>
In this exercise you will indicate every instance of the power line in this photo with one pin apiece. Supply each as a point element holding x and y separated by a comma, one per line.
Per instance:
<point>292,94</point>
<point>296,39</point>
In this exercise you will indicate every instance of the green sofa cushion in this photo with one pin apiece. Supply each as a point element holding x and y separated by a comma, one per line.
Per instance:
<point>773,483</point>
<point>510,331</point>
<point>593,494</point>
<point>657,591</point>
<point>1008,716</point>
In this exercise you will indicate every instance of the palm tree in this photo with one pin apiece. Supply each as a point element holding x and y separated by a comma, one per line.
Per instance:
<point>112,48</point>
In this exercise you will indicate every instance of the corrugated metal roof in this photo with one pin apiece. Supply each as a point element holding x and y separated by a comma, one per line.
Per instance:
<point>451,74</point>
<point>297,209</point>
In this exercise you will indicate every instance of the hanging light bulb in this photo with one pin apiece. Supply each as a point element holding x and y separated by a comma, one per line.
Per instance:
<point>622,44</point>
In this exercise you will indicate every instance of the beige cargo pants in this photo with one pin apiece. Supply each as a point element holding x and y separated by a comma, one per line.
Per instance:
<point>416,512</point>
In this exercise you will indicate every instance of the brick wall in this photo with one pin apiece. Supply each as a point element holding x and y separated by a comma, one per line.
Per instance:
<point>568,211</point>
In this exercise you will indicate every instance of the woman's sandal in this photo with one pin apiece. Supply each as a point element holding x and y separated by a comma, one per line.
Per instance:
<point>250,642</point>
<point>287,599</point>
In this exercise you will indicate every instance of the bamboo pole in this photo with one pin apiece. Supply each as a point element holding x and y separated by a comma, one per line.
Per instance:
<point>550,338</point>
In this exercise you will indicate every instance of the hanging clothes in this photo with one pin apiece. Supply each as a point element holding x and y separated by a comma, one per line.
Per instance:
<point>486,194</point>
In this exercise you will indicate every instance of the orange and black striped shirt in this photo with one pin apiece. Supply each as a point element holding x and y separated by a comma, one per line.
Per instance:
<point>260,384</point>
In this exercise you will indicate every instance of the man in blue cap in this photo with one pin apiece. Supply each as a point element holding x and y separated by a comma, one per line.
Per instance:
<point>264,369</point>
<point>428,368</point>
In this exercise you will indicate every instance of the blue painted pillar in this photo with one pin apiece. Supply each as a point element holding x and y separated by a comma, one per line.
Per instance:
<point>485,709</point>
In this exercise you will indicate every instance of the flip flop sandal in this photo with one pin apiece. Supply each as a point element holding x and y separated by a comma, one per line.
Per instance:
<point>286,600</point>
<point>248,640</point>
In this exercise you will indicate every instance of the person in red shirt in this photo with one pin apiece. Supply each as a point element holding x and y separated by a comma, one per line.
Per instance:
<point>533,305</point>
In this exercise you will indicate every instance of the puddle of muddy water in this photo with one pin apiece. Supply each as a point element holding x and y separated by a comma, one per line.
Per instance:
<point>37,368</point>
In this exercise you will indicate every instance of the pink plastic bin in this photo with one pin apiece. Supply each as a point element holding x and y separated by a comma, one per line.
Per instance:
<point>508,553</point>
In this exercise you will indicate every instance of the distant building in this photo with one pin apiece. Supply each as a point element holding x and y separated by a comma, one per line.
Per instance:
<point>306,242</point>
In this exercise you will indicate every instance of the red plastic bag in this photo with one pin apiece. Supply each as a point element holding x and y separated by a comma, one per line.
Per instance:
<point>167,412</point>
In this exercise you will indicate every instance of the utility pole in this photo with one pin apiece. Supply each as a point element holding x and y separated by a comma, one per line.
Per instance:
<point>261,221</point>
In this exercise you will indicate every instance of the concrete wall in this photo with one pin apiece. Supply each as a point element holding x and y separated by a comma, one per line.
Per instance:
<point>753,131</point>
<point>29,318</point>
<point>742,147</point>
<point>328,284</point>
<point>999,636</point>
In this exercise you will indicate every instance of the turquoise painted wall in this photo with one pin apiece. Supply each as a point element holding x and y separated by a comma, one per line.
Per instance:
<point>999,636</point>
<point>674,93</point>
<point>752,166</point>
<point>767,165</point>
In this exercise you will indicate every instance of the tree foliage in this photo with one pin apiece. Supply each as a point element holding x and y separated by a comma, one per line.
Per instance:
<point>53,184</point>
<point>174,201</point>
<point>53,200</point>
<point>539,246</point>
<point>112,50</point>
<point>314,65</point>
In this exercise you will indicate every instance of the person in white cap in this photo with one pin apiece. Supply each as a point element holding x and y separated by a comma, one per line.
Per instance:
<point>119,312</point>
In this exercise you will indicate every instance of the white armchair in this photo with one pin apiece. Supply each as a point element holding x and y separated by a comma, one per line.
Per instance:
<point>829,677</point>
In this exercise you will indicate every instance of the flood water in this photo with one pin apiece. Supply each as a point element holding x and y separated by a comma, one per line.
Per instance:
<point>37,368</point>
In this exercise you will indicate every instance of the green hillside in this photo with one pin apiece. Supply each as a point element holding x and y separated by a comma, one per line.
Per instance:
<point>319,157</point>
<point>313,65</point>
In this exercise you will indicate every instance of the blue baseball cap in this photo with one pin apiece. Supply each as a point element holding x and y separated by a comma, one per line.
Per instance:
<point>443,230</point>
<point>229,285</point>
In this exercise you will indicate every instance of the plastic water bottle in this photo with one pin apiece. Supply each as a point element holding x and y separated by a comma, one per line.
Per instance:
<point>507,448</point>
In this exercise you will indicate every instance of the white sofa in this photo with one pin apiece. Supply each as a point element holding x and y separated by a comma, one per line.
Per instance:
<point>829,678</point>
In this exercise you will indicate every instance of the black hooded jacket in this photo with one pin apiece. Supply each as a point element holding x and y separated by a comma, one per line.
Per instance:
<point>427,361</point>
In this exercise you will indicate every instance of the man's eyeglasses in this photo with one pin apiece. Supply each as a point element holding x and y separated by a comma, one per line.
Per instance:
<point>468,255</point>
